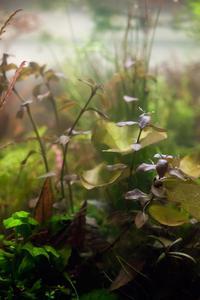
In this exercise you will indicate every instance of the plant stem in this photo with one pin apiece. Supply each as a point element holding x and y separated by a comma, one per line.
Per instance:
<point>66,147</point>
<point>42,147</point>
<point>132,160</point>
<point>43,151</point>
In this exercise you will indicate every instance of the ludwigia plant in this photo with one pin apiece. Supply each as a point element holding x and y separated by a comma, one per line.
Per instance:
<point>73,247</point>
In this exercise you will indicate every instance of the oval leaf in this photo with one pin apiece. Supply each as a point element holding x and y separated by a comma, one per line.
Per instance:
<point>186,193</point>
<point>100,176</point>
<point>168,214</point>
<point>190,165</point>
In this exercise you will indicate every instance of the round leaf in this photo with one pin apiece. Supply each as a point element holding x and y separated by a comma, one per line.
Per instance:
<point>168,214</point>
<point>187,193</point>
<point>100,176</point>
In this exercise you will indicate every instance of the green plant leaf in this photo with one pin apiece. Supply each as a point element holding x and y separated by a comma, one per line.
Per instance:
<point>190,165</point>
<point>3,259</point>
<point>118,139</point>
<point>12,223</point>
<point>168,214</point>
<point>26,265</point>
<point>21,215</point>
<point>35,251</point>
<point>122,139</point>
<point>186,193</point>
<point>101,176</point>
<point>152,135</point>
<point>19,218</point>
<point>52,251</point>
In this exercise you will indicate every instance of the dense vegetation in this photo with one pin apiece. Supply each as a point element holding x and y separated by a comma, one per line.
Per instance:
<point>97,200</point>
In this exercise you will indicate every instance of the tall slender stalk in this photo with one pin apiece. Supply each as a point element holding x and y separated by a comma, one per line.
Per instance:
<point>42,147</point>
<point>132,160</point>
<point>64,167</point>
<point>154,32</point>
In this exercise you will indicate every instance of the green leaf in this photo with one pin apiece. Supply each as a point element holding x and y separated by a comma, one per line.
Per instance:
<point>118,139</point>
<point>186,193</point>
<point>19,218</point>
<point>100,176</point>
<point>65,254</point>
<point>122,139</point>
<point>190,165</point>
<point>35,251</point>
<point>3,259</point>
<point>168,214</point>
<point>12,223</point>
<point>152,135</point>
<point>27,264</point>
<point>52,251</point>
<point>21,215</point>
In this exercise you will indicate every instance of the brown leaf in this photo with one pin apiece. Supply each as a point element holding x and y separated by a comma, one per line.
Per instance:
<point>76,232</point>
<point>127,274</point>
<point>146,167</point>
<point>140,219</point>
<point>121,280</point>
<point>136,194</point>
<point>73,233</point>
<point>43,209</point>
<point>11,85</point>
<point>162,167</point>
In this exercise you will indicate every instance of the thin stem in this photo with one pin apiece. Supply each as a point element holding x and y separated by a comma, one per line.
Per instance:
<point>43,152</point>
<point>42,148</point>
<point>132,160</point>
<point>154,33</point>
<point>66,147</point>
<point>139,135</point>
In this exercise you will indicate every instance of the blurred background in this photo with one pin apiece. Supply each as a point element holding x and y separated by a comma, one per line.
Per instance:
<point>144,49</point>
<point>54,32</point>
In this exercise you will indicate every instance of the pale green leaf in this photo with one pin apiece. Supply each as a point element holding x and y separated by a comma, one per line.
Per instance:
<point>100,176</point>
<point>168,214</point>
<point>122,139</point>
<point>187,193</point>
<point>190,165</point>
<point>116,138</point>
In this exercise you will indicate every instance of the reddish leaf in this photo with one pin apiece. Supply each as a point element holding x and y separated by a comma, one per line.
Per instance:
<point>146,167</point>
<point>136,194</point>
<point>144,120</point>
<point>76,232</point>
<point>162,167</point>
<point>127,274</point>
<point>43,209</point>
<point>140,219</point>
<point>73,233</point>
<point>11,85</point>
<point>121,280</point>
